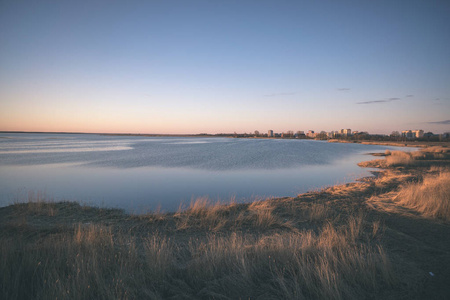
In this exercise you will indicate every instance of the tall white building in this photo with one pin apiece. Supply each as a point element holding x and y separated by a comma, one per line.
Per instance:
<point>419,133</point>
<point>410,134</point>
<point>347,132</point>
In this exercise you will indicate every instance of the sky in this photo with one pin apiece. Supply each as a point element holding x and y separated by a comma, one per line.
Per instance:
<point>180,67</point>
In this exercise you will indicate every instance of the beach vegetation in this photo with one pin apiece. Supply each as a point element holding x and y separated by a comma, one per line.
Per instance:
<point>430,195</point>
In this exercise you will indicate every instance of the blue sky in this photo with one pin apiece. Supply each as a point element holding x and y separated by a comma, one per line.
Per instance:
<point>224,66</point>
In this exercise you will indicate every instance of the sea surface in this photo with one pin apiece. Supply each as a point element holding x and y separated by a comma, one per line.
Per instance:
<point>141,174</point>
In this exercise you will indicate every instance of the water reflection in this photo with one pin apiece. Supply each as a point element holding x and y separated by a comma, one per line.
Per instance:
<point>167,171</point>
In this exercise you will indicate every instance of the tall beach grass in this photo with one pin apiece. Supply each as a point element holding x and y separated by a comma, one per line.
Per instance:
<point>430,196</point>
<point>416,158</point>
<point>97,261</point>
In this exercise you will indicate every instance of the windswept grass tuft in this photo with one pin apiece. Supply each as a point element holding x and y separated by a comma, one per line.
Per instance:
<point>436,149</point>
<point>78,265</point>
<point>431,196</point>
<point>261,214</point>
<point>202,214</point>
<point>331,264</point>
<point>318,212</point>
<point>422,157</point>
<point>400,158</point>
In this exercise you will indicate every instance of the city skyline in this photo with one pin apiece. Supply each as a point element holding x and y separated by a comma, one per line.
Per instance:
<point>177,67</point>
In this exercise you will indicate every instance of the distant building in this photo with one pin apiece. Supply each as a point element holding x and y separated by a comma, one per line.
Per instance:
<point>407,134</point>
<point>311,134</point>
<point>347,132</point>
<point>410,134</point>
<point>419,133</point>
<point>270,133</point>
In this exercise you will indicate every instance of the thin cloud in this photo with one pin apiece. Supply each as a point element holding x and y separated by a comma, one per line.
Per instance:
<point>279,94</point>
<point>409,96</point>
<point>445,122</point>
<point>379,101</point>
<point>373,101</point>
<point>343,89</point>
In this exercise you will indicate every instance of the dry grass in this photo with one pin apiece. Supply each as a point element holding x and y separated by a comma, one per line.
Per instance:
<point>78,265</point>
<point>423,157</point>
<point>268,259</point>
<point>431,196</point>
<point>36,202</point>
<point>328,265</point>
<point>215,217</point>
<point>397,158</point>
<point>203,214</point>
<point>436,149</point>
<point>429,193</point>
<point>318,212</point>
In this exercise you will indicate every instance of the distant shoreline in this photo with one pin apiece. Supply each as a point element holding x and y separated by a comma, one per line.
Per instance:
<point>114,134</point>
<point>417,144</point>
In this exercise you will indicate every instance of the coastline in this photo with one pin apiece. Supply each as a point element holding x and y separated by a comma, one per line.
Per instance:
<point>416,144</point>
<point>297,180</point>
<point>355,218</point>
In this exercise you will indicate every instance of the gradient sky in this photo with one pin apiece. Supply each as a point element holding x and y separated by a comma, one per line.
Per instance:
<point>224,66</point>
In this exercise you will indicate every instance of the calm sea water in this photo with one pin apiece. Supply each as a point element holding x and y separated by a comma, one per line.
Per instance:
<point>143,173</point>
